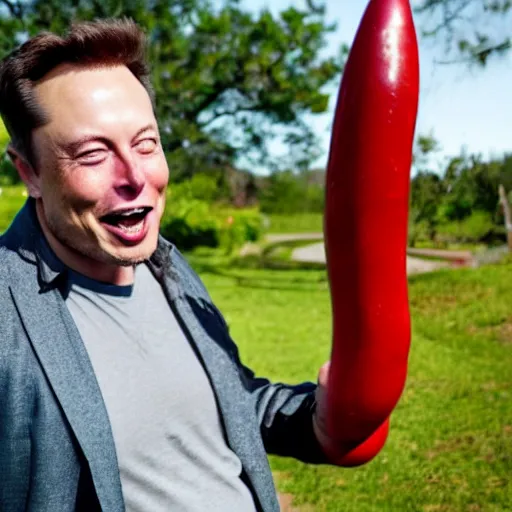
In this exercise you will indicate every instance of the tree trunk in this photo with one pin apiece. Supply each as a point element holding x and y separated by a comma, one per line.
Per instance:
<point>507,215</point>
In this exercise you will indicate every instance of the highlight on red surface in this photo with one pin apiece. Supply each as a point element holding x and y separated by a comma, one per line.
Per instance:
<point>365,227</point>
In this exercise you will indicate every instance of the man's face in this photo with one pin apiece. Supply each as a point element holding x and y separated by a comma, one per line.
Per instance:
<point>102,171</point>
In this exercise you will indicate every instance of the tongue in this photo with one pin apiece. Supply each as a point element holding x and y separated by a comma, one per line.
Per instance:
<point>128,222</point>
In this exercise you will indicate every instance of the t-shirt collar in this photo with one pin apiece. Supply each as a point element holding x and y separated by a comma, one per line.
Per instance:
<point>51,268</point>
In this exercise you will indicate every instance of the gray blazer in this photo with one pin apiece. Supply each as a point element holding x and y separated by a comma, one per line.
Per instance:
<point>57,452</point>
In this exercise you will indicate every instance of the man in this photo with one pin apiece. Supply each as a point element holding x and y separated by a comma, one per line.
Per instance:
<point>120,387</point>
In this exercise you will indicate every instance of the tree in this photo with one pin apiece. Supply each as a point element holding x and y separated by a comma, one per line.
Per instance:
<point>506,215</point>
<point>473,30</point>
<point>426,192</point>
<point>464,192</point>
<point>426,189</point>
<point>425,146</point>
<point>472,184</point>
<point>290,192</point>
<point>226,81</point>
<point>8,173</point>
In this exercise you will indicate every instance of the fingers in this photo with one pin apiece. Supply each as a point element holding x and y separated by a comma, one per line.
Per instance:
<point>323,374</point>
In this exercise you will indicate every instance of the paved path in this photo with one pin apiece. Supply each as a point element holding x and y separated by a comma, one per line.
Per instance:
<point>290,237</point>
<point>316,253</point>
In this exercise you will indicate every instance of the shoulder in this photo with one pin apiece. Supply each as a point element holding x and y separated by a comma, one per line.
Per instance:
<point>18,271</point>
<point>5,257</point>
<point>13,347</point>
<point>8,275</point>
<point>11,263</point>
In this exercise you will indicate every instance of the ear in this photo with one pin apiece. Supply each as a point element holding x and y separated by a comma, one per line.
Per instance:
<point>26,171</point>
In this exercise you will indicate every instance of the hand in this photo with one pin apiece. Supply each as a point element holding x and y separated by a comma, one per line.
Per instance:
<point>320,416</point>
<point>339,451</point>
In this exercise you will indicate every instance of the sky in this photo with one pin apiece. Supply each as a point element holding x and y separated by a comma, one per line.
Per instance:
<point>461,107</point>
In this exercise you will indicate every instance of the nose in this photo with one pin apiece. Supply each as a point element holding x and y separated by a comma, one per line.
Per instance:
<point>130,177</point>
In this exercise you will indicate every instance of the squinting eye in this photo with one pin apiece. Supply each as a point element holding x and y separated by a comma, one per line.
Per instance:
<point>93,157</point>
<point>146,146</point>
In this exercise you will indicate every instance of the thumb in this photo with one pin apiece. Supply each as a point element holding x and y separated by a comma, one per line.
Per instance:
<point>323,374</point>
<point>321,392</point>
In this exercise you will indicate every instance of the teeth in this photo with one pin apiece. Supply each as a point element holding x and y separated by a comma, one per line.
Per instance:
<point>132,229</point>
<point>132,212</point>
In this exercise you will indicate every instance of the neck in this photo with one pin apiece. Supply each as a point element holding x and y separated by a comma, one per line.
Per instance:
<point>100,271</point>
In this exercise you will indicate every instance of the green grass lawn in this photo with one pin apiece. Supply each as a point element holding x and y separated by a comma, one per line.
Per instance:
<point>450,446</point>
<point>299,223</point>
<point>452,246</point>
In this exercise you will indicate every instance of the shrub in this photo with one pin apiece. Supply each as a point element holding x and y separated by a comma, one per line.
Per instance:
<point>11,200</point>
<point>285,192</point>
<point>239,227</point>
<point>202,186</point>
<point>473,228</point>
<point>4,137</point>
<point>8,174</point>
<point>190,223</point>
<point>419,232</point>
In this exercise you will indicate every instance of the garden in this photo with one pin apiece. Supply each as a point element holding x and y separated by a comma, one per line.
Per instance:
<point>255,76</point>
<point>450,447</point>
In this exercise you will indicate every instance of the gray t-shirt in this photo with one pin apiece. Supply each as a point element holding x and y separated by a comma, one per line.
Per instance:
<point>167,430</point>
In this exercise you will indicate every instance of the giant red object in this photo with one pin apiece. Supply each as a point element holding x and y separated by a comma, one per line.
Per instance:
<point>365,226</point>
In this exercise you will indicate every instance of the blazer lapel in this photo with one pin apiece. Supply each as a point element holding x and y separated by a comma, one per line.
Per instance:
<point>206,334</point>
<point>191,305</point>
<point>64,359</point>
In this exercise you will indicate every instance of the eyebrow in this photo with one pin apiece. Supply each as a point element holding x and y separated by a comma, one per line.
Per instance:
<point>74,146</point>
<point>146,128</point>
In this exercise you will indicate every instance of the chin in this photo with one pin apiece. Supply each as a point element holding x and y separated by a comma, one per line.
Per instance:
<point>137,253</point>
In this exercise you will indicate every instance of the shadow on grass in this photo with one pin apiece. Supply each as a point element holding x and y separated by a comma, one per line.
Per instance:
<point>271,258</point>
<point>243,271</point>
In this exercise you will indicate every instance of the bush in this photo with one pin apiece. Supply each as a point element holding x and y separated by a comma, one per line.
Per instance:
<point>202,186</point>
<point>11,201</point>
<point>4,137</point>
<point>8,174</point>
<point>419,232</point>
<point>191,223</point>
<point>239,227</point>
<point>474,228</point>
<point>285,192</point>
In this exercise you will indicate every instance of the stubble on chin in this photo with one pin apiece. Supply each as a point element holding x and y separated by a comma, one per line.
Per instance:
<point>105,252</point>
<point>91,245</point>
<point>96,248</point>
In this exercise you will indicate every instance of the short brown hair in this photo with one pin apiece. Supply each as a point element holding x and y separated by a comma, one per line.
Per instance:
<point>98,43</point>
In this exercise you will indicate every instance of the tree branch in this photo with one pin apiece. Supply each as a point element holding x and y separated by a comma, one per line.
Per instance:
<point>218,115</point>
<point>15,9</point>
<point>99,6</point>
<point>317,9</point>
<point>479,55</point>
<point>448,17</point>
<point>208,100</point>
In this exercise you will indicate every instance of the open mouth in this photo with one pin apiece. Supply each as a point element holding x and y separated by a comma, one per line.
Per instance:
<point>128,221</point>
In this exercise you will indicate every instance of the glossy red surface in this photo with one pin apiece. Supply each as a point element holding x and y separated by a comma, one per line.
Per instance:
<point>365,226</point>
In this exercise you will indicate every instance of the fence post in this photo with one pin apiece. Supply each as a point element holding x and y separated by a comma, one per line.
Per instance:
<point>506,213</point>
